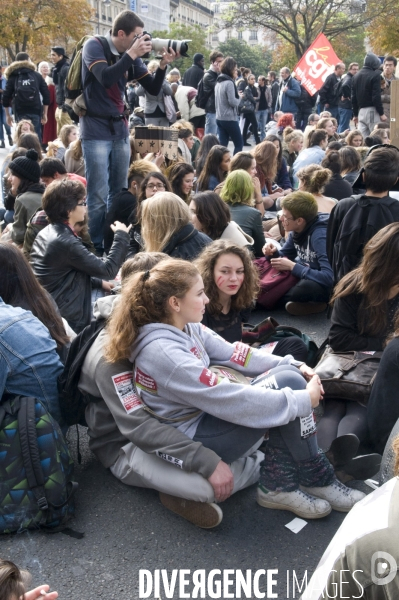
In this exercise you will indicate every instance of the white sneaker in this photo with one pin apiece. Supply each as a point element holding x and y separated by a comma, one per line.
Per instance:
<point>298,502</point>
<point>337,494</point>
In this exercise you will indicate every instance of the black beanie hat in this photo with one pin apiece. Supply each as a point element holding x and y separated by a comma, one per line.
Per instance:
<point>26,166</point>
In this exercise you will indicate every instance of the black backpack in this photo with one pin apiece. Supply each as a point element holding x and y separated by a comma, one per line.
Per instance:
<point>26,90</point>
<point>72,401</point>
<point>201,98</point>
<point>302,98</point>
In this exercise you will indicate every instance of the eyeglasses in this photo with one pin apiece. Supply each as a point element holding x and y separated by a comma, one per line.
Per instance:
<point>155,186</point>
<point>82,203</point>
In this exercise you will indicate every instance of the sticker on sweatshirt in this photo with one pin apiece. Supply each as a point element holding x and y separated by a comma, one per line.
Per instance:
<point>208,378</point>
<point>194,350</point>
<point>171,459</point>
<point>124,387</point>
<point>308,426</point>
<point>242,354</point>
<point>267,381</point>
<point>146,382</point>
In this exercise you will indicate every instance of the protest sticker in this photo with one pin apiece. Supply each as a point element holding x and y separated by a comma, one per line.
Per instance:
<point>124,387</point>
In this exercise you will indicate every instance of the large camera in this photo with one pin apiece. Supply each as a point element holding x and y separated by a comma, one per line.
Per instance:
<point>158,44</point>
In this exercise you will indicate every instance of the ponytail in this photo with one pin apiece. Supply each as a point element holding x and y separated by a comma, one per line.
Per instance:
<point>144,300</point>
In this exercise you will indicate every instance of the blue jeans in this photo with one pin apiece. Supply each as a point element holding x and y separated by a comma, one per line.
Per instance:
<point>345,115</point>
<point>334,111</point>
<point>227,130</point>
<point>3,123</point>
<point>261,117</point>
<point>36,120</point>
<point>107,163</point>
<point>210,123</point>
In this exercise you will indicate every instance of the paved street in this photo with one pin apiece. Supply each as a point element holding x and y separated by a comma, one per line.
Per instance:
<point>127,529</point>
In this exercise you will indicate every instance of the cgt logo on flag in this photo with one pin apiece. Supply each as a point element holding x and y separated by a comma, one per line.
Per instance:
<point>316,64</point>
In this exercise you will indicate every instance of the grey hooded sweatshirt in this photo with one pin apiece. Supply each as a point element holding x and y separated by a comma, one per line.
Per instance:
<point>114,420</point>
<point>174,380</point>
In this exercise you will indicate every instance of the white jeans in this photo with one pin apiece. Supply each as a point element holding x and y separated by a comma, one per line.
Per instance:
<point>135,467</point>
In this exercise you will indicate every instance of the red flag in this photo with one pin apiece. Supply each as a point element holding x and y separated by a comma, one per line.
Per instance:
<point>316,64</point>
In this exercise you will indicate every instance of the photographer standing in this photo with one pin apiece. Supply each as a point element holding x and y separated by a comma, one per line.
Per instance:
<point>105,137</point>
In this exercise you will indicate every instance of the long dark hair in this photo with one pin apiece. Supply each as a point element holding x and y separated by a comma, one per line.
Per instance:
<point>212,167</point>
<point>274,138</point>
<point>19,287</point>
<point>208,141</point>
<point>212,213</point>
<point>373,279</point>
<point>176,175</point>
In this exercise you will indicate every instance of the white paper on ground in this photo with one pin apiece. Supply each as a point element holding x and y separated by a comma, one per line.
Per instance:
<point>296,525</point>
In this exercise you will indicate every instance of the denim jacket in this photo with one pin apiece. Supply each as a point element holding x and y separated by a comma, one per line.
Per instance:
<point>29,363</point>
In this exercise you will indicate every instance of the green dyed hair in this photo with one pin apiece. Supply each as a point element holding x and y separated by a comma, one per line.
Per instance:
<point>238,188</point>
<point>301,205</point>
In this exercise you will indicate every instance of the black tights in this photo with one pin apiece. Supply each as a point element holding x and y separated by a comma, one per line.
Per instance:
<point>250,119</point>
<point>341,417</point>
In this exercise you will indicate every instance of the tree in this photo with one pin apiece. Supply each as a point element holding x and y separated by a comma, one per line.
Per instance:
<point>299,22</point>
<point>179,31</point>
<point>383,32</point>
<point>36,25</point>
<point>256,58</point>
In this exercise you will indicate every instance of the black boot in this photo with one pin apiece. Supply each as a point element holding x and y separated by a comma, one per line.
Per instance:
<point>10,140</point>
<point>2,144</point>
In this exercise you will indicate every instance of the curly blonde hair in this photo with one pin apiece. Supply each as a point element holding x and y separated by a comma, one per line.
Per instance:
<point>206,262</point>
<point>314,178</point>
<point>144,299</point>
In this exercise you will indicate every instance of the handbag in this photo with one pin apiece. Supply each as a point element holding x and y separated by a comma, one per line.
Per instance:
<point>348,375</point>
<point>245,106</point>
<point>170,110</point>
<point>273,284</point>
<point>269,330</point>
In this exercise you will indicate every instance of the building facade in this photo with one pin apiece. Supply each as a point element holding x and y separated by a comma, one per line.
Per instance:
<point>192,12</point>
<point>155,13</point>
<point>221,34</point>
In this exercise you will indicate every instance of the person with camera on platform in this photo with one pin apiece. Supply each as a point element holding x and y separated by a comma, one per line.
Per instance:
<point>105,139</point>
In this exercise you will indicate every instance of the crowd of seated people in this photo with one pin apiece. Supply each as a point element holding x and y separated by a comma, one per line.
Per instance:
<point>185,237</point>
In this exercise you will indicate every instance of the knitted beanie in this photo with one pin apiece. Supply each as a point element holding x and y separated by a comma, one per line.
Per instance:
<point>26,166</point>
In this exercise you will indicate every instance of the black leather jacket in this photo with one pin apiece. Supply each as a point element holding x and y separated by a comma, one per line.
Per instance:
<point>65,268</point>
<point>187,243</point>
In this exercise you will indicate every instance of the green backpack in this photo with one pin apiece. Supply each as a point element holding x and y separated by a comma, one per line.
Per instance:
<point>36,468</point>
<point>74,100</point>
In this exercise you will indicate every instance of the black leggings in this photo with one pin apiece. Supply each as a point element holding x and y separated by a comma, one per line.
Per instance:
<point>341,417</point>
<point>250,119</point>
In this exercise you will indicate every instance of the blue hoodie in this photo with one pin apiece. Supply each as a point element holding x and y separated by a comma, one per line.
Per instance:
<point>311,255</point>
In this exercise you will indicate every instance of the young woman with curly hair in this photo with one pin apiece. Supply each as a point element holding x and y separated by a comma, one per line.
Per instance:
<point>354,138</point>
<point>231,282</point>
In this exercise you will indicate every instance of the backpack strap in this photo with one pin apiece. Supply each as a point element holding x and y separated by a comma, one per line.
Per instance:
<point>30,450</point>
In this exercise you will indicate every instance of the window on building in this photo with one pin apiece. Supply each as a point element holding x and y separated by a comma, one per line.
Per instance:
<point>253,35</point>
<point>239,35</point>
<point>216,9</point>
<point>229,34</point>
<point>215,37</point>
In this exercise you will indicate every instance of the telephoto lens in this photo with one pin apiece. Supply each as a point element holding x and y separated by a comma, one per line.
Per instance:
<point>180,47</point>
